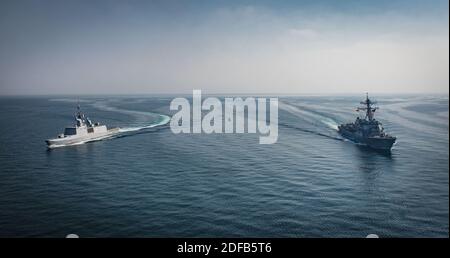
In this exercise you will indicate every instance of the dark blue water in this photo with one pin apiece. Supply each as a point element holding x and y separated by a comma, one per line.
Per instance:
<point>149,182</point>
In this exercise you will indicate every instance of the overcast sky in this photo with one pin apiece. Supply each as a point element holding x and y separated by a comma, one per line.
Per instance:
<point>132,47</point>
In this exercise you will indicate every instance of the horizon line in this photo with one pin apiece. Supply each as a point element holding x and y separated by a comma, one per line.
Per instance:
<point>223,94</point>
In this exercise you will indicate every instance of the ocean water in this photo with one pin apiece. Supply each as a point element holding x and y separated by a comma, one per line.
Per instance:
<point>148,182</point>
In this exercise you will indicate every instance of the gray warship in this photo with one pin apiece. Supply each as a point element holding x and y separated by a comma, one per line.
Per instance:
<point>83,131</point>
<point>367,131</point>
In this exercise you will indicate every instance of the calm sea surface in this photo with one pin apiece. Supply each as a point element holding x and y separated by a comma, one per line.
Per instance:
<point>149,182</point>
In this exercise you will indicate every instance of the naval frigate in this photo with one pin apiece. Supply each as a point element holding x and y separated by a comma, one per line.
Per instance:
<point>367,130</point>
<point>83,131</point>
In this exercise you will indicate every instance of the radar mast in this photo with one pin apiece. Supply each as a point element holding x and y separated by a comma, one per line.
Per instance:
<point>368,107</point>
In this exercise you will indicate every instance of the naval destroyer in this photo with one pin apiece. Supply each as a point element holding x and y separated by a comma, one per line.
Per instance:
<point>367,130</point>
<point>83,131</point>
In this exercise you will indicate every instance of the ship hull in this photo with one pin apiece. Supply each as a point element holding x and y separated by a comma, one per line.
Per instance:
<point>74,140</point>
<point>378,143</point>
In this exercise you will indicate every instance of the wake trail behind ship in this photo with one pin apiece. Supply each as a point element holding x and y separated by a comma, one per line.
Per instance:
<point>311,118</point>
<point>141,116</point>
<point>312,132</point>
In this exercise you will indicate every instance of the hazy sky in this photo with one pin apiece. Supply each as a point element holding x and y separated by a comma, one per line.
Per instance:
<point>115,47</point>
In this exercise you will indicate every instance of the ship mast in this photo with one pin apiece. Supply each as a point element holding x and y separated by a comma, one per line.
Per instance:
<point>368,107</point>
<point>78,107</point>
<point>79,117</point>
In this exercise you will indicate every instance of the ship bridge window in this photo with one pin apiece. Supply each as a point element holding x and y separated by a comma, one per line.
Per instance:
<point>70,131</point>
